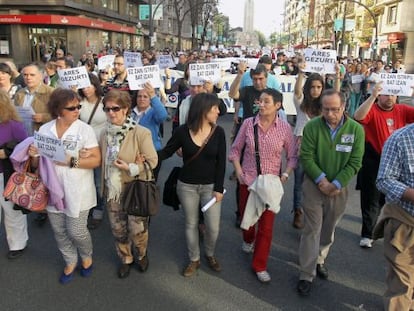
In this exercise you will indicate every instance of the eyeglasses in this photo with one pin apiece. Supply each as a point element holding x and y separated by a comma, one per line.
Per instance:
<point>334,110</point>
<point>118,64</point>
<point>104,72</point>
<point>114,109</point>
<point>73,108</point>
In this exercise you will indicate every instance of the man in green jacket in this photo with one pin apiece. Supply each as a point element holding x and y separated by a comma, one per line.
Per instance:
<point>331,154</point>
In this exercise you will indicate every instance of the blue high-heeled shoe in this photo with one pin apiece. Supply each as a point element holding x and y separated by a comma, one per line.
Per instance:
<point>66,278</point>
<point>86,272</point>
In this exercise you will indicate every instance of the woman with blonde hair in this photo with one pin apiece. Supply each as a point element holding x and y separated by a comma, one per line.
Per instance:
<point>12,131</point>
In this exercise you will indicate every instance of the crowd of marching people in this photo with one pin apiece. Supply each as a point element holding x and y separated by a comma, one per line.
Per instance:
<point>111,134</point>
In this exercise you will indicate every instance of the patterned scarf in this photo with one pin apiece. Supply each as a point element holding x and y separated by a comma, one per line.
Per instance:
<point>115,135</point>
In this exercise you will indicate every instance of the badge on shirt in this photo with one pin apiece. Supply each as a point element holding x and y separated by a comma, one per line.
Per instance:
<point>347,138</point>
<point>343,148</point>
<point>70,142</point>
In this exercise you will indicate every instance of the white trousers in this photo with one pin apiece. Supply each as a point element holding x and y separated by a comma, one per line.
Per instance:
<point>15,222</point>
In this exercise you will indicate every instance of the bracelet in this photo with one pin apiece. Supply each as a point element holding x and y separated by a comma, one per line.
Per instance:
<point>286,175</point>
<point>74,163</point>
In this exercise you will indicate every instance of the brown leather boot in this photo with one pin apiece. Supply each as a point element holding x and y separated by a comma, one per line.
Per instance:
<point>298,219</point>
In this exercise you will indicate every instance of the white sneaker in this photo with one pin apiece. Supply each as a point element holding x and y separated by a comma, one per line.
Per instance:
<point>263,276</point>
<point>366,243</point>
<point>247,247</point>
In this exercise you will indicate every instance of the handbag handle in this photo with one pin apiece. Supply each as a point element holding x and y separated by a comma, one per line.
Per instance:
<point>203,145</point>
<point>147,167</point>
<point>94,110</point>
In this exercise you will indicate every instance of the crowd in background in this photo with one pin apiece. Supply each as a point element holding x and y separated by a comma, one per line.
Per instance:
<point>111,132</point>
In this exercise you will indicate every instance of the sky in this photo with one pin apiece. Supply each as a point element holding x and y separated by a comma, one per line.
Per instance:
<point>267,14</point>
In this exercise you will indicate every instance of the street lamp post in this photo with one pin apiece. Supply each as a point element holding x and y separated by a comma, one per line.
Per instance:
<point>373,18</point>
<point>151,23</point>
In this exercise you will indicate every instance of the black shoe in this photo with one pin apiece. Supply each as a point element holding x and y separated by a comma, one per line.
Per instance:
<point>143,264</point>
<point>304,287</point>
<point>41,219</point>
<point>123,271</point>
<point>322,271</point>
<point>15,254</point>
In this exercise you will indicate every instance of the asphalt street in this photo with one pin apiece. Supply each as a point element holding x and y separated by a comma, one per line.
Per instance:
<point>356,280</point>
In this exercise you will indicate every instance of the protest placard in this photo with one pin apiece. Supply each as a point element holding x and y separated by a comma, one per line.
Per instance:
<point>398,84</point>
<point>172,99</point>
<point>137,76</point>
<point>357,79</point>
<point>26,114</point>
<point>50,147</point>
<point>165,61</point>
<point>132,59</point>
<point>202,72</point>
<point>74,77</point>
<point>320,61</point>
<point>106,61</point>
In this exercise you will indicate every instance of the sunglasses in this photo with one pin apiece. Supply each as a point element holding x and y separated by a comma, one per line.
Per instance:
<point>114,109</point>
<point>73,108</point>
<point>104,72</point>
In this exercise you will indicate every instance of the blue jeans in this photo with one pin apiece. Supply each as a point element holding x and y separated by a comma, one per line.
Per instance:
<point>297,187</point>
<point>190,197</point>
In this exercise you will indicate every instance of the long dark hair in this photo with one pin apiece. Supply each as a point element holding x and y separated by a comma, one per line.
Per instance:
<point>312,106</point>
<point>201,104</point>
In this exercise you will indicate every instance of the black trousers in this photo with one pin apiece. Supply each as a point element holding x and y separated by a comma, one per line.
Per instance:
<point>371,199</point>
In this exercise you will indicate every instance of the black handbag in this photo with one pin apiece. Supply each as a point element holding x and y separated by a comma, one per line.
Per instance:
<point>169,194</point>
<point>142,197</point>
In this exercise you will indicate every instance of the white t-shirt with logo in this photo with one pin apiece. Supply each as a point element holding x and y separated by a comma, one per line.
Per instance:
<point>78,184</point>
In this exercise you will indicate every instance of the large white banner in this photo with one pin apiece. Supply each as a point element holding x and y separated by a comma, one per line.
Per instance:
<point>287,88</point>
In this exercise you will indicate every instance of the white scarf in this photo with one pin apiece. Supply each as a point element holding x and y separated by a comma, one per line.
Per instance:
<point>115,135</point>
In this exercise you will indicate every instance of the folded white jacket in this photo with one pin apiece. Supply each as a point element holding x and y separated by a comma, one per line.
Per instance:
<point>265,193</point>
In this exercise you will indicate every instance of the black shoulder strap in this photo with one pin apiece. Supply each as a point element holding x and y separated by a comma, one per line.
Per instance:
<point>256,149</point>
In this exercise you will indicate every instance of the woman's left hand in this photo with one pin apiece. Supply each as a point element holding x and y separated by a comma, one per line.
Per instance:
<point>218,196</point>
<point>121,164</point>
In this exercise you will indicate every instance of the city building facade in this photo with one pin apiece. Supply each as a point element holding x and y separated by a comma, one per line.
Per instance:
<point>31,30</point>
<point>380,29</point>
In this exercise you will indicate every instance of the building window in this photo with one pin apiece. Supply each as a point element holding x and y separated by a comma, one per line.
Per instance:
<point>131,9</point>
<point>392,15</point>
<point>110,4</point>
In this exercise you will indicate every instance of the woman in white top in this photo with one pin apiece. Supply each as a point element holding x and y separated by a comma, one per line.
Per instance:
<point>82,156</point>
<point>93,114</point>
